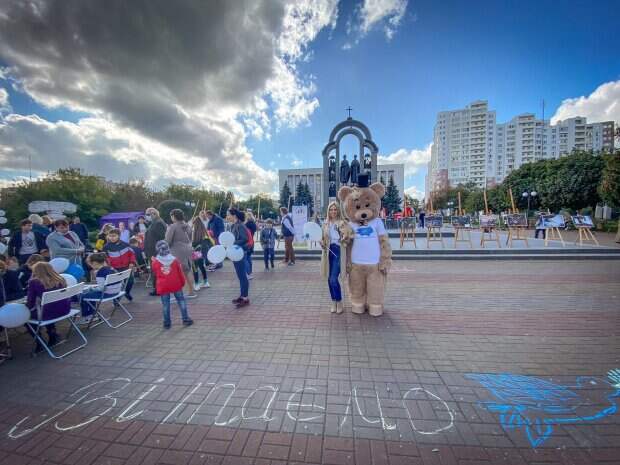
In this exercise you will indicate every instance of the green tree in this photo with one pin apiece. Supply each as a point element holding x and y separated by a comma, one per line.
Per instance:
<point>268,208</point>
<point>391,200</point>
<point>133,196</point>
<point>609,188</point>
<point>167,206</point>
<point>285,194</point>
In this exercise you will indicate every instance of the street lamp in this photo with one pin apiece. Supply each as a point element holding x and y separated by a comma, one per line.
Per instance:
<point>528,195</point>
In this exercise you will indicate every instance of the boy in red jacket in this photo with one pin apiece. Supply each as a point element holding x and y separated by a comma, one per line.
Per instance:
<point>169,279</point>
<point>120,257</point>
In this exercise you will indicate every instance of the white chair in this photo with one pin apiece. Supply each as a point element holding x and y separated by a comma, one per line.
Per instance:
<point>49,297</point>
<point>95,303</point>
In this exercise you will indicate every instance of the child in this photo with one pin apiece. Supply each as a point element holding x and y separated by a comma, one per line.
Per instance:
<point>25,272</point>
<point>268,243</point>
<point>97,262</point>
<point>169,279</point>
<point>13,289</point>
<point>134,243</point>
<point>44,279</point>
<point>120,257</point>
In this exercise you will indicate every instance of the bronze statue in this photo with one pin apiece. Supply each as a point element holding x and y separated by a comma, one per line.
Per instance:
<point>345,171</point>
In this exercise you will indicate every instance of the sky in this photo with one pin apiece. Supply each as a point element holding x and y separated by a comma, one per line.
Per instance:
<point>223,94</point>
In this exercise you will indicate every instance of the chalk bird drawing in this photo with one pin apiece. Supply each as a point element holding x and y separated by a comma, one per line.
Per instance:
<point>537,405</point>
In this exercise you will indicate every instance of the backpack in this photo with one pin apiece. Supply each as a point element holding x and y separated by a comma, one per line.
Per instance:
<point>250,243</point>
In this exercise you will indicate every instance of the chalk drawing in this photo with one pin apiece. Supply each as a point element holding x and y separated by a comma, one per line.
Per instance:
<point>536,405</point>
<point>436,397</point>
<point>104,392</point>
<point>290,404</point>
<point>385,425</point>
<point>264,416</point>
<point>178,406</point>
<point>123,415</point>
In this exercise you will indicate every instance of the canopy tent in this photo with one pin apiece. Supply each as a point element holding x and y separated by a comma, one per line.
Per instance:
<point>120,217</point>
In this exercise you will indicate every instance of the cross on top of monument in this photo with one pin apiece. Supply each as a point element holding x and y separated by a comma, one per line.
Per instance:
<point>349,110</point>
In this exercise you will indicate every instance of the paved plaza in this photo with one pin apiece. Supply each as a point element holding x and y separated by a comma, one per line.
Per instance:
<point>474,362</point>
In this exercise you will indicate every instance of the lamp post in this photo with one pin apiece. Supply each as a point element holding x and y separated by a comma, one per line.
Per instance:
<point>529,194</point>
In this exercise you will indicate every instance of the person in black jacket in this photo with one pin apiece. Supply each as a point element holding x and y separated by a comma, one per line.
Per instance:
<point>80,229</point>
<point>288,232</point>
<point>250,223</point>
<point>215,226</point>
<point>241,234</point>
<point>156,232</point>
<point>26,242</point>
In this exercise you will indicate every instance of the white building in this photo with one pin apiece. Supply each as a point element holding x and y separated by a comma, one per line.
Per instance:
<point>313,176</point>
<point>469,146</point>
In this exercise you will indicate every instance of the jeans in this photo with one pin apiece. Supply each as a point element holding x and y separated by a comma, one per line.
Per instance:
<point>334,272</point>
<point>200,266</point>
<point>268,256</point>
<point>87,309</point>
<point>165,301</point>
<point>242,274</point>
<point>544,233</point>
<point>289,251</point>
<point>248,258</point>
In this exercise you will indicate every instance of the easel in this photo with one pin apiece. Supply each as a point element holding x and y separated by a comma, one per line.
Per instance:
<point>433,233</point>
<point>585,233</point>
<point>516,233</point>
<point>461,230</point>
<point>490,229</point>
<point>553,234</point>
<point>407,232</point>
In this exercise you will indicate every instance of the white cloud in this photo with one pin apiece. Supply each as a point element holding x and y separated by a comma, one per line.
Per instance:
<point>413,159</point>
<point>189,79</point>
<point>415,192</point>
<point>601,105</point>
<point>4,97</point>
<point>389,13</point>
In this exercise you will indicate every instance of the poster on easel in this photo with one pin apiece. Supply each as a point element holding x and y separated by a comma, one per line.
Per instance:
<point>516,220</point>
<point>582,221</point>
<point>489,221</point>
<point>300,217</point>
<point>461,221</point>
<point>433,221</point>
<point>552,221</point>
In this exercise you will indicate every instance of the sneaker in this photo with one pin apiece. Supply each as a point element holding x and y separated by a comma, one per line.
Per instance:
<point>188,322</point>
<point>266,268</point>
<point>191,296</point>
<point>167,325</point>
<point>291,264</point>
<point>250,276</point>
<point>237,300</point>
<point>206,284</point>
<point>243,303</point>
<point>85,320</point>
<point>129,298</point>
<point>196,286</point>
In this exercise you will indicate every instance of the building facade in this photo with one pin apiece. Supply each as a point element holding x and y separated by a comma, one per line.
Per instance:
<point>470,147</point>
<point>313,176</point>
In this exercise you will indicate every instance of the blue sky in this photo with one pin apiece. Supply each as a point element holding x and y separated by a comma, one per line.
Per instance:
<point>441,56</point>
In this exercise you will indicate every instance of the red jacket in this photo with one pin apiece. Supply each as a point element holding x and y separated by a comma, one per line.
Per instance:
<point>120,255</point>
<point>168,273</point>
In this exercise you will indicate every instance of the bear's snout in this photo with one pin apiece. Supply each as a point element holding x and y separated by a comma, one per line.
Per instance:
<point>364,215</point>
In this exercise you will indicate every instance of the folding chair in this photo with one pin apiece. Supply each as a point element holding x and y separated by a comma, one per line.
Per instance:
<point>48,298</point>
<point>95,304</point>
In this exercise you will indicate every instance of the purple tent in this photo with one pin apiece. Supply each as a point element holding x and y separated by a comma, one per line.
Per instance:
<point>120,217</point>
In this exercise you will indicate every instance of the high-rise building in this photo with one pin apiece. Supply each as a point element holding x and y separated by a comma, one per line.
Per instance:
<point>470,147</point>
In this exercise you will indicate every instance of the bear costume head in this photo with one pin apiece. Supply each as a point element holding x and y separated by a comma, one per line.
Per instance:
<point>361,204</point>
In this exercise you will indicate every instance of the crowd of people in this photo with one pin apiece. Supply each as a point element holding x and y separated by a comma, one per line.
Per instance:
<point>173,255</point>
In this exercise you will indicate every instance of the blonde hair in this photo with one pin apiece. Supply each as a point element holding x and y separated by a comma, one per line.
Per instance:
<point>36,219</point>
<point>44,272</point>
<point>105,229</point>
<point>337,205</point>
<point>46,220</point>
<point>249,217</point>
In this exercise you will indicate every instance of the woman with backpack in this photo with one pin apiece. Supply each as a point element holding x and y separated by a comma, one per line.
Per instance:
<point>242,239</point>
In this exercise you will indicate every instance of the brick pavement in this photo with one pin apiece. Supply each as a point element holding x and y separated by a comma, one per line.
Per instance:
<point>285,381</point>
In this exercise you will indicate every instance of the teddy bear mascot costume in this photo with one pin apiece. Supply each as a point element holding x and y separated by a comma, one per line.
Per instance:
<point>369,256</point>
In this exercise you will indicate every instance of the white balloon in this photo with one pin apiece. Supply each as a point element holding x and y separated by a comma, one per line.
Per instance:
<point>3,248</point>
<point>70,280</point>
<point>2,213</point>
<point>216,254</point>
<point>5,232</point>
<point>312,231</point>
<point>235,253</point>
<point>3,220</point>
<point>226,239</point>
<point>60,264</point>
<point>14,315</point>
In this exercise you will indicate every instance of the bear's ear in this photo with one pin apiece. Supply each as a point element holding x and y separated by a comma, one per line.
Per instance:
<point>378,188</point>
<point>344,192</point>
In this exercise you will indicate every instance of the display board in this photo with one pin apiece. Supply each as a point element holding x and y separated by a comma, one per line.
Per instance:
<point>433,221</point>
<point>516,220</point>
<point>463,221</point>
<point>488,221</point>
<point>581,221</point>
<point>551,221</point>
<point>300,217</point>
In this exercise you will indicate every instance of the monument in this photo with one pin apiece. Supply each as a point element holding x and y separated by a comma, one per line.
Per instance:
<point>332,158</point>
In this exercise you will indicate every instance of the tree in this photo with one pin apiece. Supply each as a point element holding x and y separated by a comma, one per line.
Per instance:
<point>167,206</point>
<point>268,208</point>
<point>412,202</point>
<point>391,199</point>
<point>285,195</point>
<point>303,196</point>
<point>609,188</point>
